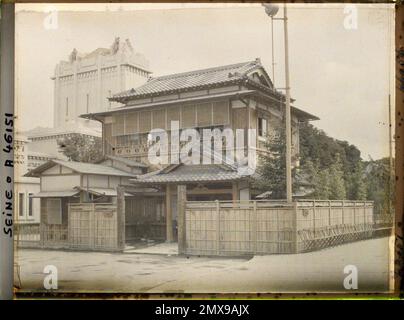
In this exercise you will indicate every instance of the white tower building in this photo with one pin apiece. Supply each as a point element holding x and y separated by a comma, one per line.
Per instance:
<point>83,84</point>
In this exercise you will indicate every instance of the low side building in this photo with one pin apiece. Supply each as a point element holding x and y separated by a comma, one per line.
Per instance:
<point>27,209</point>
<point>64,182</point>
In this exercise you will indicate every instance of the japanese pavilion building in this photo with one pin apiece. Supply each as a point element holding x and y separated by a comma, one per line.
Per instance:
<point>237,96</point>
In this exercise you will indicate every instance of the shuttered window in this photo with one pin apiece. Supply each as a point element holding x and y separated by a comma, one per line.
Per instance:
<point>188,116</point>
<point>262,127</point>
<point>30,205</point>
<point>21,201</point>
<point>159,119</point>
<point>220,112</point>
<point>173,114</point>
<point>145,121</point>
<point>204,114</point>
<point>118,126</point>
<point>131,123</point>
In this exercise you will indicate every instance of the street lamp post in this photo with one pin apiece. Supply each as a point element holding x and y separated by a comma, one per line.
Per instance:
<point>271,10</point>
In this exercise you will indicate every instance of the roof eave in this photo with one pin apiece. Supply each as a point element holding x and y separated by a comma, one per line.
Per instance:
<point>125,99</point>
<point>100,115</point>
<point>187,181</point>
<point>305,116</point>
<point>36,172</point>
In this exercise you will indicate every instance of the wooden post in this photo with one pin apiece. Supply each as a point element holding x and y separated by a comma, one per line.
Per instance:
<point>314,218</point>
<point>181,199</point>
<point>217,227</point>
<point>91,217</point>
<point>295,239</point>
<point>343,220</point>
<point>364,217</point>
<point>120,211</point>
<point>43,221</point>
<point>329,213</point>
<point>278,231</point>
<point>354,216</point>
<point>169,216</point>
<point>254,227</point>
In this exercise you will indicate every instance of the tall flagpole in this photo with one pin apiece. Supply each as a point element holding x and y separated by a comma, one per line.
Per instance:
<point>271,10</point>
<point>273,51</point>
<point>287,112</point>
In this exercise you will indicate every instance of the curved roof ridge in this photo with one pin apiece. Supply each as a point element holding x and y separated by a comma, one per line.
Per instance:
<point>203,71</point>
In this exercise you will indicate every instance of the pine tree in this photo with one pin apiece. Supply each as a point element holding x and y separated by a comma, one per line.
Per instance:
<point>307,176</point>
<point>323,185</point>
<point>272,168</point>
<point>81,148</point>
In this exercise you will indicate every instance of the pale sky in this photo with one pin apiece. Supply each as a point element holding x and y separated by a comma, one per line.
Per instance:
<point>343,76</point>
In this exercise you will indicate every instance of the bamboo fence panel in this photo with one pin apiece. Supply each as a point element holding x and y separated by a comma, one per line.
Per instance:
<point>246,227</point>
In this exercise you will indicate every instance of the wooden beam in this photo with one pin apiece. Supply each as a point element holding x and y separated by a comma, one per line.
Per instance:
<point>181,199</point>
<point>120,206</point>
<point>169,216</point>
<point>210,191</point>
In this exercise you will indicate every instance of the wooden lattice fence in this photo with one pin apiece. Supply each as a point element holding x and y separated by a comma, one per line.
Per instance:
<point>231,228</point>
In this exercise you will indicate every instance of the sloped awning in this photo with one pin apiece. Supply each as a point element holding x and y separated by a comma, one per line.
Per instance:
<point>100,191</point>
<point>191,174</point>
<point>55,194</point>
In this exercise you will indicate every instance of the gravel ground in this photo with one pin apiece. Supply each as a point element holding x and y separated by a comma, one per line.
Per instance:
<point>129,272</point>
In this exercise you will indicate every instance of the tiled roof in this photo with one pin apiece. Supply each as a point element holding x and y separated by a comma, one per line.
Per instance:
<point>91,168</point>
<point>128,162</point>
<point>191,80</point>
<point>191,173</point>
<point>81,167</point>
<point>68,129</point>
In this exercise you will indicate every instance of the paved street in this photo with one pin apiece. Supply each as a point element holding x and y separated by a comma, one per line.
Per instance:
<point>155,273</point>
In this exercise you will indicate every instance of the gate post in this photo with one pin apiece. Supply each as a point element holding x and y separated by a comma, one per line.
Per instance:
<point>218,227</point>
<point>181,199</point>
<point>169,216</point>
<point>120,213</point>
<point>295,237</point>
<point>254,229</point>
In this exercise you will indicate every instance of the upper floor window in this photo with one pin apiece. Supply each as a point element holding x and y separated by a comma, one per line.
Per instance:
<point>30,204</point>
<point>262,127</point>
<point>21,200</point>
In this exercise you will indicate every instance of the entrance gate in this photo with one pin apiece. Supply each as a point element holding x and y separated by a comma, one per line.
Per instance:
<point>93,226</point>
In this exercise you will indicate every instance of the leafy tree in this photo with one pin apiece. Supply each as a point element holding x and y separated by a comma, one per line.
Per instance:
<point>379,185</point>
<point>81,148</point>
<point>337,183</point>
<point>358,186</point>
